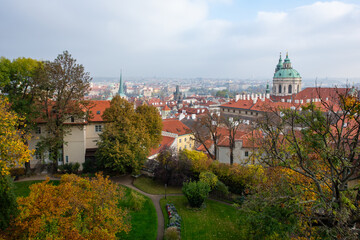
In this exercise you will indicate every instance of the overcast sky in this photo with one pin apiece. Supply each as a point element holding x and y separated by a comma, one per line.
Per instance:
<point>187,38</point>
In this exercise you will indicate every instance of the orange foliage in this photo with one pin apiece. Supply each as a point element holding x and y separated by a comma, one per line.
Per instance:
<point>78,208</point>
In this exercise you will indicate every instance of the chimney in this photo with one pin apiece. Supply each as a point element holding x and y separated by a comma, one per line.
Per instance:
<point>297,101</point>
<point>237,97</point>
<point>248,97</point>
<point>282,100</point>
<point>268,95</point>
<point>301,101</point>
<point>308,100</point>
<point>254,100</point>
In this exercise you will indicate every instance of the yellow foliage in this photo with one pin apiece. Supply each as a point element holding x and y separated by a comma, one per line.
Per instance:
<point>199,161</point>
<point>78,208</point>
<point>13,150</point>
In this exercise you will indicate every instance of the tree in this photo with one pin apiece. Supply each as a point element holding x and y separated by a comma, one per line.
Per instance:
<point>78,208</point>
<point>232,126</point>
<point>206,130</point>
<point>64,84</point>
<point>13,151</point>
<point>320,141</point>
<point>152,121</point>
<point>128,136</point>
<point>18,82</point>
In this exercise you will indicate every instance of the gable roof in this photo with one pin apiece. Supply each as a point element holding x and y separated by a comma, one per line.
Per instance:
<point>175,126</point>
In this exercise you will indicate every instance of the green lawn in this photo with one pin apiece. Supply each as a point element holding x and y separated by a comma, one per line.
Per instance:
<point>22,188</point>
<point>143,222</point>
<point>216,221</point>
<point>148,185</point>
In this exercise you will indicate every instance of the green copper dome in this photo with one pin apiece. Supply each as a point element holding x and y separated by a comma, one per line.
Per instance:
<point>286,73</point>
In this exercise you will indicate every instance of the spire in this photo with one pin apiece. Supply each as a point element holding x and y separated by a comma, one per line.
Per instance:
<point>121,87</point>
<point>287,63</point>
<point>279,65</point>
<point>267,86</point>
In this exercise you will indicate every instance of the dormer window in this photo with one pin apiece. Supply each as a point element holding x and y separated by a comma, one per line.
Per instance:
<point>72,119</point>
<point>98,112</point>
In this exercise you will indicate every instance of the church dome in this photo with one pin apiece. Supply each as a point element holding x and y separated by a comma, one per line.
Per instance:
<point>287,73</point>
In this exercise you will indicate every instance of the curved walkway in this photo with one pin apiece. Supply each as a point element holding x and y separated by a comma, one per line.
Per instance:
<point>127,181</point>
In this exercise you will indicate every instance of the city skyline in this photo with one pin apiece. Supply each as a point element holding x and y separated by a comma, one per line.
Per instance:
<point>184,38</point>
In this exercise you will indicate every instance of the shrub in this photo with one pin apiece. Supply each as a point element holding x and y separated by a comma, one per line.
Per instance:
<point>78,208</point>
<point>90,166</point>
<point>136,200</point>
<point>221,189</point>
<point>209,178</point>
<point>171,233</point>
<point>199,161</point>
<point>69,168</point>
<point>172,169</point>
<point>15,172</point>
<point>196,192</point>
<point>238,178</point>
<point>8,206</point>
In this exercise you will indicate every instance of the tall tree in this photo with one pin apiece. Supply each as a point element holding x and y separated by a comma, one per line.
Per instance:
<point>128,136</point>
<point>320,141</point>
<point>64,85</point>
<point>18,82</point>
<point>232,125</point>
<point>206,129</point>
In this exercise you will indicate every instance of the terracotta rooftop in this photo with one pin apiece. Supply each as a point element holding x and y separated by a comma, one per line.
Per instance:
<point>175,126</point>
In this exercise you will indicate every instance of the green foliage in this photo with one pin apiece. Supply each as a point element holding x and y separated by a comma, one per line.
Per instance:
<point>209,178</point>
<point>69,168</point>
<point>127,140</point>
<point>270,213</point>
<point>173,169</point>
<point>199,161</point>
<point>221,190</point>
<point>8,206</point>
<point>137,201</point>
<point>196,192</point>
<point>238,178</point>
<point>171,233</point>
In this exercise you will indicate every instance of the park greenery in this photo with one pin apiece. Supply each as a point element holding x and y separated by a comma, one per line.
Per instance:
<point>128,137</point>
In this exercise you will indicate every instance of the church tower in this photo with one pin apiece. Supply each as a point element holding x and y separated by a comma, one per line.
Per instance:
<point>286,81</point>
<point>121,87</point>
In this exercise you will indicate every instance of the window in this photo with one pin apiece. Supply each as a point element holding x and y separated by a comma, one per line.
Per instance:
<point>280,88</point>
<point>185,147</point>
<point>290,89</point>
<point>179,148</point>
<point>185,140</point>
<point>245,112</point>
<point>67,159</point>
<point>38,130</point>
<point>246,153</point>
<point>190,145</point>
<point>252,113</point>
<point>180,140</point>
<point>234,110</point>
<point>72,119</point>
<point>98,128</point>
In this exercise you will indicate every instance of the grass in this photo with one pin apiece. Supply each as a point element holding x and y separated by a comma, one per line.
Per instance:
<point>151,186</point>
<point>215,221</point>
<point>22,188</point>
<point>143,222</point>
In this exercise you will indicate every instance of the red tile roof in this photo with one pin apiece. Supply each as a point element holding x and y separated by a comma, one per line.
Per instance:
<point>165,142</point>
<point>175,126</point>
<point>97,110</point>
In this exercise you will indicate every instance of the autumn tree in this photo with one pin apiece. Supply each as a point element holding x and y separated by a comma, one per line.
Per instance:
<point>64,84</point>
<point>13,153</point>
<point>19,82</point>
<point>128,136</point>
<point>206,130</point>
<point>232,125</point>
<point>78,208</point>
<point>320,141</point>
